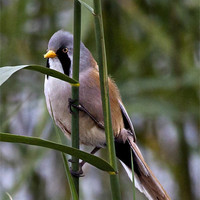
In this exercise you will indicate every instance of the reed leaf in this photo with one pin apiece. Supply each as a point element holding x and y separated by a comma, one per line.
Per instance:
<point>93,160</point>
<point>7,71</point>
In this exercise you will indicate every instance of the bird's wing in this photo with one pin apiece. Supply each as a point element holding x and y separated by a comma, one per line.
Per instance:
<point>127,121</point>
<point>90,98</point>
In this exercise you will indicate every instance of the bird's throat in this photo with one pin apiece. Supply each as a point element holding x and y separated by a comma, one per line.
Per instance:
<point>61,64</point>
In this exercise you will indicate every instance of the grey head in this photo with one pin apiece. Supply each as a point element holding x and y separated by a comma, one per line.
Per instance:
<point>62,40</point>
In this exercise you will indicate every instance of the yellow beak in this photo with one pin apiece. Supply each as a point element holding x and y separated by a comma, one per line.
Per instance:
<point>50,54</point>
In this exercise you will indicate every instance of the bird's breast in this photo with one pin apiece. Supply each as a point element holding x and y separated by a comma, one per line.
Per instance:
<point>57,93</point>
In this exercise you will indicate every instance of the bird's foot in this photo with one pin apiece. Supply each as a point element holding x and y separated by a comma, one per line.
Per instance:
<point>71,103</point>
<point>78,173</point>
<point>71,161</point>
<point>80,107</point>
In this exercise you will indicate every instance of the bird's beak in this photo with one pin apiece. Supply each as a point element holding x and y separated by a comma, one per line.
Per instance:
<point>50,54</point>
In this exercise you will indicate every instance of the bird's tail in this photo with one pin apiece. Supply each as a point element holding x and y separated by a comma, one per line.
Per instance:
<point>145,181</point>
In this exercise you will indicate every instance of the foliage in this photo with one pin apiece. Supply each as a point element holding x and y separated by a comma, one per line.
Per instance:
<point>152,53</point>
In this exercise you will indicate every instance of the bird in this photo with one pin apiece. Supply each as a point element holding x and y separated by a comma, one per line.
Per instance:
<point>91,121</point>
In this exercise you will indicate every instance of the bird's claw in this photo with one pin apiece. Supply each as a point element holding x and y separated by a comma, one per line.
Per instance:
<point>71,104</point>
<point>78,173</point>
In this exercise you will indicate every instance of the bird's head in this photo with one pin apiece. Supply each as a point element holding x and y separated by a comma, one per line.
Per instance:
<point>60,53</point>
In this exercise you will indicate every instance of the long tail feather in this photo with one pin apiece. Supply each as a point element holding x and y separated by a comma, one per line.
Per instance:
<point>145,181</point>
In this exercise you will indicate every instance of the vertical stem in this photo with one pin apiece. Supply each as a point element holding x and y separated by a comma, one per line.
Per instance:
<point>72,187</point>
<point>133,179</point>
<point>183,175</point>
<point>75,90</point>
<point>114,179</point>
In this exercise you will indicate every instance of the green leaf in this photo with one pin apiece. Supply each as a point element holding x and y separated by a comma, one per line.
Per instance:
<point>6,72</point>
<point>89,158</point>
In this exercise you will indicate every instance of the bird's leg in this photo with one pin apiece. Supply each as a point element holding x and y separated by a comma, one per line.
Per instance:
<point>83,109</point>
<point>79,173</point>
<point>92,152</point>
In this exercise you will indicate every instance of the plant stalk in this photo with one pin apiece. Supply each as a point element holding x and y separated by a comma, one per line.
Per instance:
<point>75,90</point>
<point>101,51</point>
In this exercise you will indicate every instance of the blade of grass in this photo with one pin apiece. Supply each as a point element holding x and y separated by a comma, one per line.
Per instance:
<point>7,71</point>
<point>7,196</point>
<point>93,160</point>
<point>101,51</point>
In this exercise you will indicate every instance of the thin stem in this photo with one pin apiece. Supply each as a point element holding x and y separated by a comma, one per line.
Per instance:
<point>75,90</point>
<point>133,175</point>
<point>114,179</point>
<point>69,177</point>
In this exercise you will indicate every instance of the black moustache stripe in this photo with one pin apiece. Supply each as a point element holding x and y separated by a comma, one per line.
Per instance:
<point>65,62</point>
<point>47,65</point>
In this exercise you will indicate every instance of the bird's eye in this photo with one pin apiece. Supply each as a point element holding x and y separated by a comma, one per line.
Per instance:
<point>65,50</point>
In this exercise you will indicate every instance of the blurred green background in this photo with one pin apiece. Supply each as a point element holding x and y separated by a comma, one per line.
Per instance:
<point>153,55</point>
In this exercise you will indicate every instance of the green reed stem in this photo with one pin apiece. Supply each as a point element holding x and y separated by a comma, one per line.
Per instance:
<point>75,90</point>
<point>114,178</point>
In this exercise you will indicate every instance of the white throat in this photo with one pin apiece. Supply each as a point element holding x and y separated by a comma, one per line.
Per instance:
<point>54,63</point>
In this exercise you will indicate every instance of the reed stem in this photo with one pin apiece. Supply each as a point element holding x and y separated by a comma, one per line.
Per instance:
<point>101,51</point>
<point>75,90</point>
